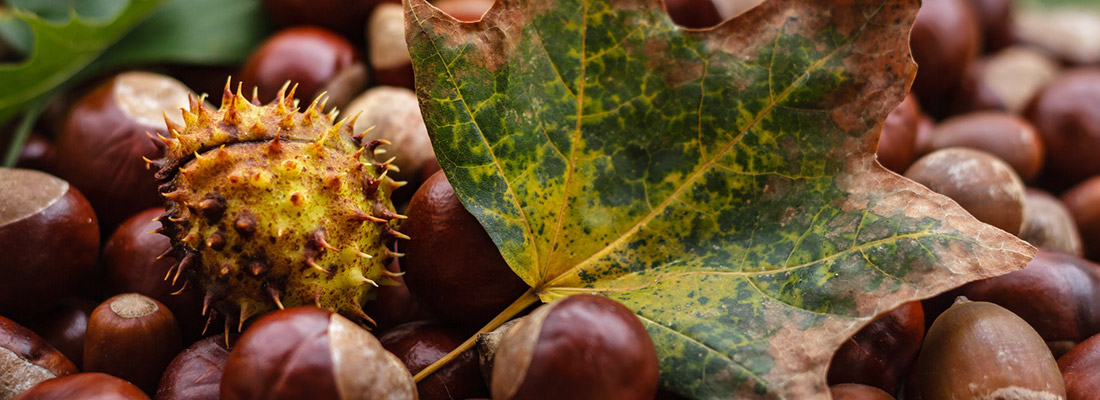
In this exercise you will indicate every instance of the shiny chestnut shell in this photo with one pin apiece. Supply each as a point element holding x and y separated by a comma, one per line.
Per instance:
<point>1067,114</point>
<point>84,386</point>
<point>945,39</point>
<point>1080,367</point>
<point>1049,224</point>
<point>1083,203</point>
<point>195,373</point>
<point>133,337</point>
<point>315,59</point>
<point>880,353</point>
<point>419,344</point>
<point>897,144</point>
<point>26,359</point>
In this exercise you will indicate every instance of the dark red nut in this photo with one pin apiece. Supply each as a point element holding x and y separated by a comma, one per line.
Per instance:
<point>105,136</point>
<point>395,305</point>
<point>944,41</point>
<point>979,350</point>
<point>307,352</point>
<point>133,263</point>
<point>1048,224</point>
<point>693,13</point>
<point>315,59</point>
<point>880,353</point>
<point>343,16</point>
<point>63,327</point>
<point>196,373</point>
<point>996,18</point>
<point>855,391</point>
<point>1005,81</point>
<point>45,214</point>
<point>1068,35</point>
<point>393,114</point>
<point>982,184</point>
<point>1083,203</point>
<point>419,344</point>
<point>1079,370</point>
<point>84,386</point>
<point>26,359</point>
<point>897,144</point>
<point>581,347</point>
<point>133,337</point>
<point>1056,294</point>
<point>38,153</point>
<point>1008,137</point>
<point>1067,114</point>
<point>450,263</point>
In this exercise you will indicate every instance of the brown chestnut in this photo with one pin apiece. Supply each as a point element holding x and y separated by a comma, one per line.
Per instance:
<point>1004,81</point>
<point>450,263</point>
<point>315,59</point>
<point>105,136</point>
<point>880,353</point>
<point>1008,137</point>
<point>38,153</point>
<point>26,359</point>
<point>1048,224</point>
<point>419,344</point>
<point>196,373</point>
<point>84,386</point>
<point>133,337</point>
<point>982,184</point>
<point>1083,203</point>
<point>945,39</point>
<point>343,16</point>
<point>580,347</point>
<point>1067,114</point>
<point>395,305</point>
<point>1079,369</point>
<point>693,13</point>
<point>64,326</point>
<point>995,17</point>
<point>1068,34</point>
<point>133,263</point>
<point>979,350</point>
<point>49,240</point>
<point>393,114</point>
<point>897,144</point>
<point>307,352</point>
<point>855,391</point>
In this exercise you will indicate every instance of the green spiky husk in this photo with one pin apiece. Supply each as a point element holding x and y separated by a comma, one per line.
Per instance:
<point>268,207</point>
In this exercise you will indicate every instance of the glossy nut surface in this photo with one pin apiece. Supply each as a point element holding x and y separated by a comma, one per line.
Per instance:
<point>195,373</point>
<point>880,353</point>
<point>133,337</point>
<point>897,144</point>
<point>944,41</point>
<point>26,359</point>
<point>64,326</point>
<point>1083,203</point>
<point>1008,137</point>
<point>1080,368</point>
<point>311,57</point>
<point>1067,114</point>
<point>84,386</point>
<point>985,186</point>
<point>419,344</point>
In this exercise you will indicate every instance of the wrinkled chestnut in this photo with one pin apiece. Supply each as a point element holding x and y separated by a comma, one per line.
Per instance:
<point>1083,203</point>
<point>979,350</point>
<point>944,41</point>
<point>1079,370</point>
<point>450,263</point>
<point>84,386</point>
<point>419,344</point>
<point>1004,81</point>
<point>196,373</point>
<point>343,16</point>
<point>49,240</point>
<point>133,264</point>
<point>897,144</point>
<point>307,352</point>
<point>104,137</point>
<point>1048,224</point>
<point>315,59</point>
<point>880,353</point>
<point>64,326</point>
<point>1067,34</point>
<point>1008,137</point>
<point>26,359</point>
<point>393,114</point>
<point>133,337</point>
<point>855,391</point>
<point>982,184</point>
<point>581,347</point>
<point>1067,114</point>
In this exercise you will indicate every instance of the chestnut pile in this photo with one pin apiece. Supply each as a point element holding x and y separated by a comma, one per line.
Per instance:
<point>1004,118</point>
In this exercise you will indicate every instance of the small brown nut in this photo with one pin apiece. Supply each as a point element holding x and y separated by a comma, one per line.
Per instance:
<point>580,347</point>
<point>26,359</point>
<point>897,145</point>
<point>982,184</point>
<point>979,350</point>
<point>133,337</point>
<point>84,386</point>
<point>944,41</point>
<point>996,18</point>
<point>1067,114</point>
<point>1083,203</point>
<point>1008,137</point>
<point>307,352</point>
<point>41,212</point>
<point>855,391</point>
<point>196,373</point>
<point>419,344</point>
<point>315,59</point>
<point>880,353</point>
<point>63,327</point>
<point>1080,367</point>
<point>1049,224</point>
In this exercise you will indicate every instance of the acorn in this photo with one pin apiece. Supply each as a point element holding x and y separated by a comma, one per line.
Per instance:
<point>268,207</point>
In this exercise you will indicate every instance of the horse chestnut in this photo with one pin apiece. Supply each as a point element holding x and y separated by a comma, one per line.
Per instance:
<point>982,184</point>
<point>133,337</point>
<point>1048,224</point>
<point>26,359</point>
<point>84,386</point>
<point>1067,114</point>
<point>196,373</point>
<point>1008,137</point>
<point>880,353</point>
<point>1082,202</point>
<point>419,344</point>
<point>316,59</point>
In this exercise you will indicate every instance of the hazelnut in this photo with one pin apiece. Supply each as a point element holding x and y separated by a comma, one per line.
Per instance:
<point>880,353</point>
<point>307,352</point>
<point>1082,202</point>
<point>1048,224</point>
<point>897,144</point>
<point>105,136</point>
<point>1079,367</point>
<point>196,373</point>
<point>1067,114</point>
<point>41,212</point>
<point>981,350</point>
<point>855,391</point>
<point>1005,81</point>
<point>419,344</point>
<point>133,337</point>
<point>1008,137</point>
<point>393,114</point>
<point>64,326</point>
<point>982,184</point>
<point>580,347</point>
<point>84,386</point>
<point>451,265</point>
<point>315,59</point>
<point>944,41</point>
<point>26,360</point>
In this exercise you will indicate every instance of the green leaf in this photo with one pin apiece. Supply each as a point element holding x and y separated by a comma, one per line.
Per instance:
<point>721,183</point>
<point>61,50</point>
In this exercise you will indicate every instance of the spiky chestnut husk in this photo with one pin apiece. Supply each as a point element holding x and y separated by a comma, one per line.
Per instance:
<point>268,207</point>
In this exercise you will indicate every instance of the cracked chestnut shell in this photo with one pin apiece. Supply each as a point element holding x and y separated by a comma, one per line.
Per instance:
<point>580,347</point>
<point>26,359</point>
<point>84,386</point>
<point>133,337</point>
<point>196,373</point>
